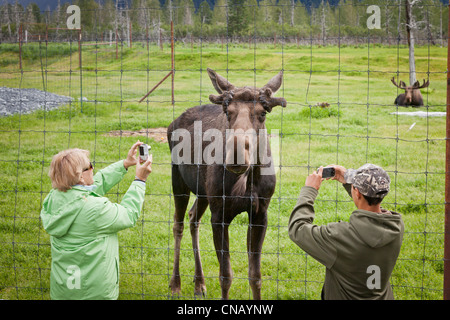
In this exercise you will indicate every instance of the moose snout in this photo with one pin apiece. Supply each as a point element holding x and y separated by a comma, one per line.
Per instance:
<point>408,99</point>
<point>239,153</point>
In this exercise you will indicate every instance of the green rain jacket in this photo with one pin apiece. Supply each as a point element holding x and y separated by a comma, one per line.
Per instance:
<point>359,255</point>
<point>83,226</point>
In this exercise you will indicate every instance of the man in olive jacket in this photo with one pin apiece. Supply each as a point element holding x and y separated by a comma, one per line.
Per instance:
<point>359,255</point>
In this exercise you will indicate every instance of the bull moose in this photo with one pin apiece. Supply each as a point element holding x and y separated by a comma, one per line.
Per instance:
<point>412,95</point>
<point>228,185</point>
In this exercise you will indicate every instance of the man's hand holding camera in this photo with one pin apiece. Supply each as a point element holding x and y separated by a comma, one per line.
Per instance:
<point>332,172</point>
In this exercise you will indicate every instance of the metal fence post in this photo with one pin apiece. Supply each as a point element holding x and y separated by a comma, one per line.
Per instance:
<point>447,180</point>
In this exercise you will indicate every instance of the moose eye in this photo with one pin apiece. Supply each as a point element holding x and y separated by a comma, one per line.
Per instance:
<point>263,114</point>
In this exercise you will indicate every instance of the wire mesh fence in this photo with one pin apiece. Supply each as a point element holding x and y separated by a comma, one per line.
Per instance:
<point>337,66</point>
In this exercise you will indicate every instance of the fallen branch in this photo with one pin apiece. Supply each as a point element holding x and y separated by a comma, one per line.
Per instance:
<point>156,86</point>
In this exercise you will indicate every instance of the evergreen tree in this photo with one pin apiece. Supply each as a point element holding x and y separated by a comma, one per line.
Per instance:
<point>89,9</point>
<point>204,13</point>
<point>219,14</point>
<point>238,17</point>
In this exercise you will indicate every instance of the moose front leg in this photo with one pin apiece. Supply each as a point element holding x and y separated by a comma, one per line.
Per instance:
<point>255,238</point>
<point>222,246</point>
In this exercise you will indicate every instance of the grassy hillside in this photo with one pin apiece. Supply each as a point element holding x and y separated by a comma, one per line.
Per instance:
<point>358,127</point>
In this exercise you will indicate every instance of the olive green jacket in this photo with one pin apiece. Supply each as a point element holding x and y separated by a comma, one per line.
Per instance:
<point>359,255</point>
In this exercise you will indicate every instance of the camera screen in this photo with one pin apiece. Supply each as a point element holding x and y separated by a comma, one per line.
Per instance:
<point>328,172</point>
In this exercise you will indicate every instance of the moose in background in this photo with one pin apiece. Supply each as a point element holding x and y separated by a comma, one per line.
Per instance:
<point>412,95</point>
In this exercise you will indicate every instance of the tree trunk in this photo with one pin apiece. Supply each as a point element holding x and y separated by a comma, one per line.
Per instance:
<point>292,12</point>
<point>410,23</point>
<point>323,23</point>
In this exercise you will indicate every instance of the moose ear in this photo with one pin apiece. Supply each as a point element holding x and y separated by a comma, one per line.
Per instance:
<point>275,83</point>
<point>220,83</point>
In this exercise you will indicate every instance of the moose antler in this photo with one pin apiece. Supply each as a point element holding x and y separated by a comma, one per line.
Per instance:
<point>224,99</point>
<point>401,86</point>
<point>424,85</point>
<point>265,97</point>
<point>268,101</point>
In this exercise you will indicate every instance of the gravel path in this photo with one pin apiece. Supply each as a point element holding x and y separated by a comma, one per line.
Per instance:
<point>13,100</point>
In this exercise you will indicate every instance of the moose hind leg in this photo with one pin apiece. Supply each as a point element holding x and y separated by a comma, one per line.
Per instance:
<point>195,215</point>
<point>181,203</point>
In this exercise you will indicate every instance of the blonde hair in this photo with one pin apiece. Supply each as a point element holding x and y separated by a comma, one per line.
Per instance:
<point>66,168</point>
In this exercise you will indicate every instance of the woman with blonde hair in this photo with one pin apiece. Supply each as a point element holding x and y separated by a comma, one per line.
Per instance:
<point>83,223</point>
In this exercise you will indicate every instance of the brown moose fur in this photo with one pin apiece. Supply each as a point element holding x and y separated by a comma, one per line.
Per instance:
<point>226,189</point>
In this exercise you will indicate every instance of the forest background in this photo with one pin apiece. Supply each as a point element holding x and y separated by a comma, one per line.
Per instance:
<point>234,20</point>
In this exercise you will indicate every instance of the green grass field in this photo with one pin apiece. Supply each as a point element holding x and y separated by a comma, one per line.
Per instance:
<point>357,128</point>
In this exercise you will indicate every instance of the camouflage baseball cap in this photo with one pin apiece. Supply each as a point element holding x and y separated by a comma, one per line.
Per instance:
<point>370,180</point>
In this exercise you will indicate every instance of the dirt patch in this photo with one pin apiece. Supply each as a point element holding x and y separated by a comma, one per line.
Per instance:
<point>157,134</point>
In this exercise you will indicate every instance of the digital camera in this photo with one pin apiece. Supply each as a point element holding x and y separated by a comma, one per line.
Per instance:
<point>144,150</point>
